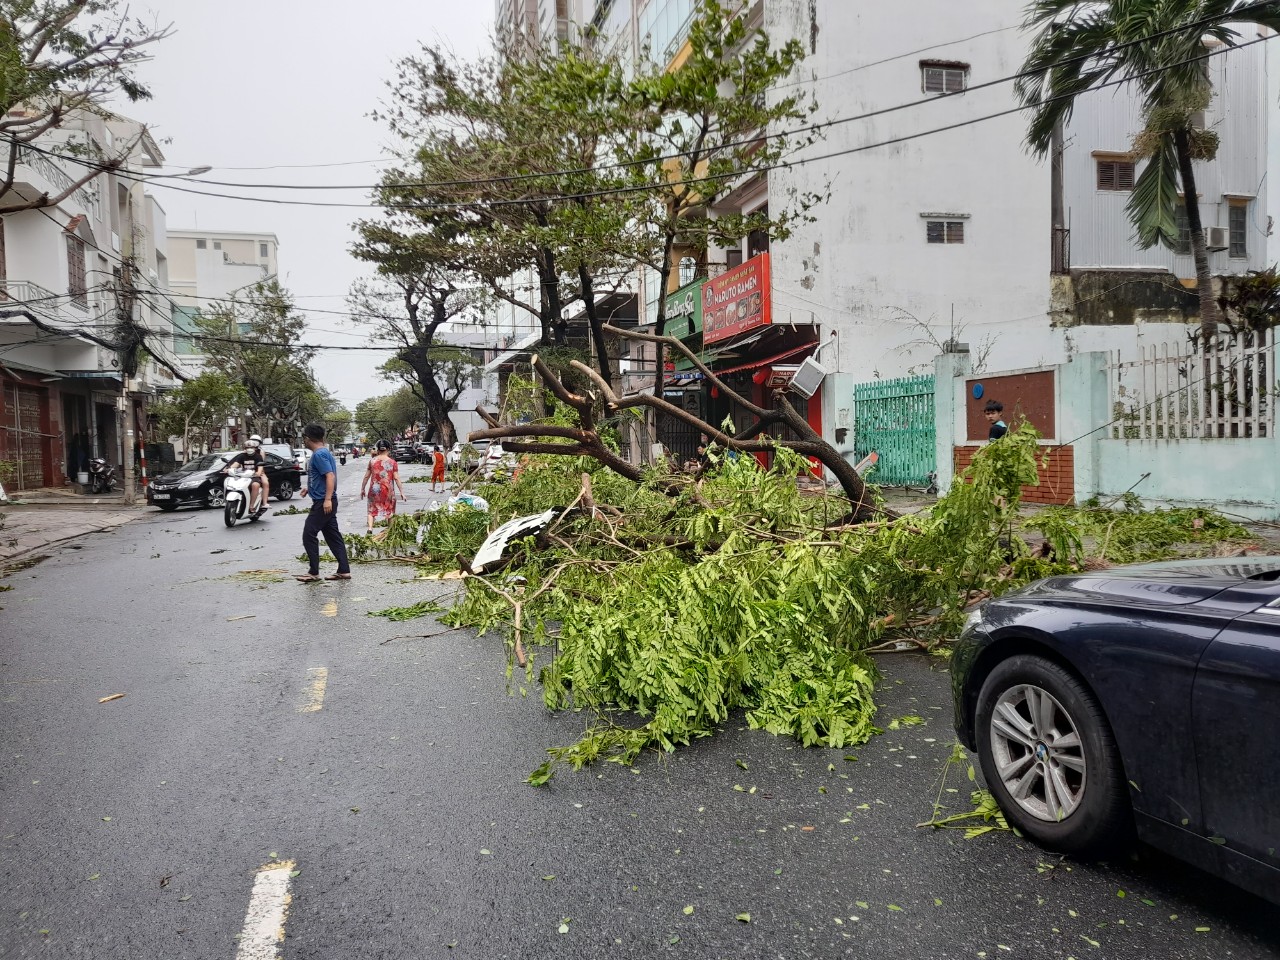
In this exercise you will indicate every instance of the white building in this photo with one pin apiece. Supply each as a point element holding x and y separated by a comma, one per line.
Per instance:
<point>63,397</point>
<point>209,267</point>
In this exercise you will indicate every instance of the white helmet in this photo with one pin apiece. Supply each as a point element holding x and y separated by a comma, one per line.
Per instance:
<point>253,443</point>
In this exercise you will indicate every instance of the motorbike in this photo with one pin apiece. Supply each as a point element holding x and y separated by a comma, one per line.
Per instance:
<point>102,476</point>
<point>236,493</point>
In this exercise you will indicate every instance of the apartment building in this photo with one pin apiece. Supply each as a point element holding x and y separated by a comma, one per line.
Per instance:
<point>209,267</point>
<point>65,272</point>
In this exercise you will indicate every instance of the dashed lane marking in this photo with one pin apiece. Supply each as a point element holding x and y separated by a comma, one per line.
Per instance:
<point>313,698</point>
<point>263,929</point>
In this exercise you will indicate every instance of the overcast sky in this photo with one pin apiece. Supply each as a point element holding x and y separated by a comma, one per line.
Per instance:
<point>285,83</point>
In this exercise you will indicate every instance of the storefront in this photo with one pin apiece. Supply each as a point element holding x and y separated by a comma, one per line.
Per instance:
<point>748,351</point>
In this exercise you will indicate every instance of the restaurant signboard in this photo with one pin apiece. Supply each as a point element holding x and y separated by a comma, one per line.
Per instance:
<point>736,301</point>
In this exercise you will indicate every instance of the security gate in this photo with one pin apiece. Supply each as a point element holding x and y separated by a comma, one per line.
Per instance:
<point>894,418</point>
<point>28,441</point>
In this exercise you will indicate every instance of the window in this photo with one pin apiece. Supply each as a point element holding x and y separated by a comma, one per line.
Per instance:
<point>262,250</point>
<point>1238,230</point>
<point>943,76</point>
<point>1115,174</point>
<point>202,243</point>
<point>217,244</point>
<point>944,231</point>
<point>75,271</point>
<point>1183,246</point>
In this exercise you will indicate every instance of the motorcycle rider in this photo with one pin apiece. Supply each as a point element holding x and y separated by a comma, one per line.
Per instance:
<point>251,459</point>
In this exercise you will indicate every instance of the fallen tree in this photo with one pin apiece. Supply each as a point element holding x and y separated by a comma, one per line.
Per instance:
<point>584,437</point>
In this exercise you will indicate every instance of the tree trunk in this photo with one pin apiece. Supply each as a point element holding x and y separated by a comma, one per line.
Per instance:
<point>1210,314</point>
<point>593,319</point>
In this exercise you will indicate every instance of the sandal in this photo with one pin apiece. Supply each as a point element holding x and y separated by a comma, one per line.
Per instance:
<point>338,576</point>
<point>306,577</point>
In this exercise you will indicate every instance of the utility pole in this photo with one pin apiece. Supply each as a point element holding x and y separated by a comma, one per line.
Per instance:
<point>126,299</point>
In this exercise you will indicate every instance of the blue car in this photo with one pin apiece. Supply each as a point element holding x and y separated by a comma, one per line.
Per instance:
<point>1137,699</point>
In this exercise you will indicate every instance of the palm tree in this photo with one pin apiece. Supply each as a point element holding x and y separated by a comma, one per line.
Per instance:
<point>1159,46</point>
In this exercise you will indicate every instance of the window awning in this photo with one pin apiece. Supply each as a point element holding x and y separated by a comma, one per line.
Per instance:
<point>767,361</point>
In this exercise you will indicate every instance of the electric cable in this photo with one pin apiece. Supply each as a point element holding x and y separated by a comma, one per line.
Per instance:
<point>823,125</point>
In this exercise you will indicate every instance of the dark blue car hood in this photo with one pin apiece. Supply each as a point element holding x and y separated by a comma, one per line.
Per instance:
<point>1171,583</point>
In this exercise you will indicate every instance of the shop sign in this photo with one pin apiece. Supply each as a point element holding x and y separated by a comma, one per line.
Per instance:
<point>780,375</point>
<point>684,312</point>
<point>736,301</point>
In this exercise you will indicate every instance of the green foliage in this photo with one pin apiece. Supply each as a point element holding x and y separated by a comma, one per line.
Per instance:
<point>200,406</point>
<point>412,612</point>
<point>738,595</point>
<point>431,537</point>
<point>1093,533</point>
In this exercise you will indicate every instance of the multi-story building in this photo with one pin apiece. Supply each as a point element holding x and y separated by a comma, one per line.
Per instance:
<point>939,227</point>
<point>537,23</point>
<point>66,273</point>
<point>209,267</point>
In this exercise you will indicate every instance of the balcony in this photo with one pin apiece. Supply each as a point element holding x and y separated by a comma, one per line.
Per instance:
<point>36,176</point>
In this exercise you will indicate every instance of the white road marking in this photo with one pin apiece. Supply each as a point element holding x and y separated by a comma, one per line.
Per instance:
<point>263,929</point>
<point>313,699</point>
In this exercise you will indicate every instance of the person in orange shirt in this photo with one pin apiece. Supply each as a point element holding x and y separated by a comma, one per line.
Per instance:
<point>437,468</point>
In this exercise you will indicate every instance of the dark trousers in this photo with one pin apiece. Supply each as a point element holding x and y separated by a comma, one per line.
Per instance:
<point>319,522</point>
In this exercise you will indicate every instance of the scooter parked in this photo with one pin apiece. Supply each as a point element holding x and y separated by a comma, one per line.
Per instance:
<point>237,492</point>
<point>102,476</point>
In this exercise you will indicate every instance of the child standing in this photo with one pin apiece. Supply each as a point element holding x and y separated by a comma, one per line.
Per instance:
<point>992,412</point>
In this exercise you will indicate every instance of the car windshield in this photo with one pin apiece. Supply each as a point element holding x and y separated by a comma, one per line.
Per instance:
<point>207,462</point>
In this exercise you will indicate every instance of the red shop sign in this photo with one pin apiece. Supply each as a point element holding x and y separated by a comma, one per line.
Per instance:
<point>736,301</point>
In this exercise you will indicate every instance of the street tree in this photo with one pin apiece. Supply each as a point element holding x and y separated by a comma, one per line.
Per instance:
<point>199,408</point>
<point>417,289</point>
<point>583,165</point>
<point>454,369</point>
<point>387,416</point>
<point>1159,46</point>
<point>255,339</point>
<point>58,57</point>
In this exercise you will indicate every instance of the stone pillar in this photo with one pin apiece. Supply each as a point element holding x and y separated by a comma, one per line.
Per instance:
<point>949,371</point>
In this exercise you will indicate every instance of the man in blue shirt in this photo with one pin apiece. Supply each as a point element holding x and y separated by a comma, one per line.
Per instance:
<point>322,487</point>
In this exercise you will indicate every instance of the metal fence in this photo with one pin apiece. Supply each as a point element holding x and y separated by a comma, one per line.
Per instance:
<point>1192,391</point>
<point>894,418</point>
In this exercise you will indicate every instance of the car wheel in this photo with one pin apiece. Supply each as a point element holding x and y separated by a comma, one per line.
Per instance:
<point>1050,759</point>
<point>284,490</point>
<point>167,507</point>
<point>216,498</point>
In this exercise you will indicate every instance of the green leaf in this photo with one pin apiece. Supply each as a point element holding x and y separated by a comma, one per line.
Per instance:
<point>740,764</point>
<point>548,877</point>
<point>563,928</point>
<point>96,876</point>
<point>744,917</point>
<point>863,904</point>
<point>688,911</point>
<point>895,907</point>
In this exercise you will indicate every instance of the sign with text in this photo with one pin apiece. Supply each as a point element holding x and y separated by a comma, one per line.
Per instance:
<point>736,301</point>
<point>684,312</point>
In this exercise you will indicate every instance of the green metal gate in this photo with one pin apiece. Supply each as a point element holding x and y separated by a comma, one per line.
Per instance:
<point>894,418</point>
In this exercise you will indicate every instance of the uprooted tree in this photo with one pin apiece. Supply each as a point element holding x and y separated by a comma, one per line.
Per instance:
<point>585,437</point>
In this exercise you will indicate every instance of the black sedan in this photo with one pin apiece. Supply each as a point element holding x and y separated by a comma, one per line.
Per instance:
<point>200,481</point>
<point>1142,697</point>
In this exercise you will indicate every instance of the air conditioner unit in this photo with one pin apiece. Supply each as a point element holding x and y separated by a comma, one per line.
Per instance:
<point>1216,238</point>
<point>808,378</point>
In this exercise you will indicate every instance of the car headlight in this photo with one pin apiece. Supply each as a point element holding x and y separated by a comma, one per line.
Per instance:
<point>974,618</point>
<point>189,484</point>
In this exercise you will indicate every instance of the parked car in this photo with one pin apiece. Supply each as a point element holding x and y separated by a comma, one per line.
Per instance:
<point>498,463</point>
<point>302,456</point>
<point>467,455</point>
<point>1142,697</point>
<point>200,481</point>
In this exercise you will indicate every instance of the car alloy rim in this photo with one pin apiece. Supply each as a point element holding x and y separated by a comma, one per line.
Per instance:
<point>217,497</point>
<point>1038,753</point>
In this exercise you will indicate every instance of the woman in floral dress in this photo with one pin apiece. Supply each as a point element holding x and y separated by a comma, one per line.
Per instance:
<point>381,478</point>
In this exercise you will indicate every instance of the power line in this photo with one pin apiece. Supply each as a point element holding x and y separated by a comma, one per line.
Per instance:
<point>713,178</point>
<point>823,125</point>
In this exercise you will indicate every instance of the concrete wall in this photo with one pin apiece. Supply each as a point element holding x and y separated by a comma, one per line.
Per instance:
<point>1236,476</point>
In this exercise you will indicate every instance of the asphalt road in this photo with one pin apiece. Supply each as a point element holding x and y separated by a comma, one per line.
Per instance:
<point>135,828</point>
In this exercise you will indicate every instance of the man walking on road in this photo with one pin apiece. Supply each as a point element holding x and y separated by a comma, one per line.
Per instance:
<point>322,487</point>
